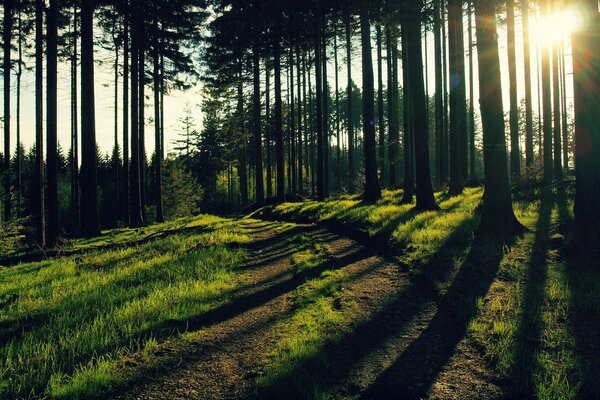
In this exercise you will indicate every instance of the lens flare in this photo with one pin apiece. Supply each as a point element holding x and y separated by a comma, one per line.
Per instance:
<point>553,28</point>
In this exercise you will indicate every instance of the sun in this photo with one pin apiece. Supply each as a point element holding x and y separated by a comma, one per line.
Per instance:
<point>554,28</point>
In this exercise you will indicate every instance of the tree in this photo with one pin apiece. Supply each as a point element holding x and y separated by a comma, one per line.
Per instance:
<point>424,187</point>
<point>38,203</point>
<point>89,202</point>
<point>547,107</point>
<point>497,216</point>
<point>372,191</point>
<point>440,145</point>
<point>515,153</point>
<point>51,122</point>
<point>458,98</point>
<point>528,107</point>
<point>586,76</point>
<point>135,196</point>
<point>7,41</point>
<point>256,127</point>
<point>350,125</point>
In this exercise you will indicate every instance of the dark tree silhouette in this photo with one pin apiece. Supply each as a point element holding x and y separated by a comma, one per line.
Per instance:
<point>497,213</point>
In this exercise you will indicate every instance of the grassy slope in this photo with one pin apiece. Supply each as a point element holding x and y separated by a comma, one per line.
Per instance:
<point>67,324</point>
<point>537,325</point>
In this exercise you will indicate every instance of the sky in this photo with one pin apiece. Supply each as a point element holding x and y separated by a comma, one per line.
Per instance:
<point>556,28</point>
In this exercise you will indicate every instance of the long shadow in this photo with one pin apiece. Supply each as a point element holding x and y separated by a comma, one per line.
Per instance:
<point>417,368</point>
<point>346,353</point>
<point>530,324</point>
<point>583,276</point>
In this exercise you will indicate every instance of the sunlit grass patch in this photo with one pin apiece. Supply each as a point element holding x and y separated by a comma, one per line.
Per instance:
<point>66,324</point>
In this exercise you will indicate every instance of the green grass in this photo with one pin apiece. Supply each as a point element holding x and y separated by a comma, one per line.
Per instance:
<point>538,325</point>
<point>68,324</point>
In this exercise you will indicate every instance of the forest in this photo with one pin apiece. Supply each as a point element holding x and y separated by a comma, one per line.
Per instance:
<point>309,199</point>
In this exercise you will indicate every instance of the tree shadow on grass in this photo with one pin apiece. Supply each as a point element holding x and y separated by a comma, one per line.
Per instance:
<point>583,277</point>
<point>415,371</point>
<point>530,326</point>
<point>331,366</point>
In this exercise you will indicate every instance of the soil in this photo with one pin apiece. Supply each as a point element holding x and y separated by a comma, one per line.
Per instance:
<point>399,346</point>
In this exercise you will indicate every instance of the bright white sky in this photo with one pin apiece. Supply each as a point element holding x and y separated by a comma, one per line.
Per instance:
<point>556,29</point>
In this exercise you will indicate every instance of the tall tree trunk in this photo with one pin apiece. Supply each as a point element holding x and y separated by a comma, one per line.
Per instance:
<point>529,158</point>
<point>299,146</point>
<point>293,171</point>
<point>515,152</point>
<point>268,129</point>
<point>51,121</point>
<point>394,128</point>
<point>311,144</point>
<point>326,132</point>
<point>160,217</point>
<point>18,119</point>
<point>116,138</point>
<point>565,126</point>
<point>547,108</point>
<point>497,213</point>
<point>424,188</point>
<point>279,123</point>
<point>307,119</point>
<point>337,109</point>
<point>409,122</point>
<point>350,122</point>
<point>260,191</point>
<point>380,120</point>
<point>319,100</point>
<point>372,190</point>
<point>472,174</point>
<point>7,37</point>
<point>458,98</point>
<point>557,156</point>
<point>136,219</point>
<point>125,182</point>
<point>243,164</point>
<point>142,107</point>
<point>445,152</point>
<point>39,128</point>
<point>439,94</point>
<point>586,76</point>
<point>89,198</point>
<point>75,214</point>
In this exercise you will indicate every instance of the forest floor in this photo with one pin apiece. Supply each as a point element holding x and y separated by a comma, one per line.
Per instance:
<point>333,300</point>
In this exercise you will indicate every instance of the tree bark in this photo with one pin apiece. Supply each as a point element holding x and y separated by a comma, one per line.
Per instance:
<point>350,122</point>
<point>557,156</point>
<point>529,157</point>
<point>125,178</point>
<point>160,217</point>
<point>380,120</point>
<point>409,121</point>
<point>424,188</point>
<point>89,198</point>
<point>279,123</point>
<point>515,152</point>
<point>300,122</point>
<point>136,219</point>
<point>547,108</point>
<point>319,101</point>
<point>268,130</point>
<point>7,38</point>
<point>52,229</point>
<point>458,98</point>
<point>439,95</point>
<point>39,128</point>
<point>260,191</point>
<point>586,76</point>
<point>472,173</point>
<point>497,216</point>
<point>372,190</point>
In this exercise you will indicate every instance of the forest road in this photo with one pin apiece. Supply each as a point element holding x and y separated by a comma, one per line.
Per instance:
<point>375,359</point>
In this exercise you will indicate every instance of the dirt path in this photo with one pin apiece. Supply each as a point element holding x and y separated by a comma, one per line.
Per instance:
<point>395,321</point>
